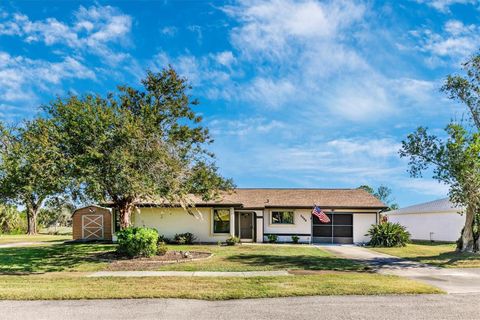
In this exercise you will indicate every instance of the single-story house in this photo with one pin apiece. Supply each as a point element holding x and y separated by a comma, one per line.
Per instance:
<point>438,220</point>
<point>250,214</point>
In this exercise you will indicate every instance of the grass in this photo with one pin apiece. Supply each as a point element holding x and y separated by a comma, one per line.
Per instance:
<point>7,238</point>
<point>73,287</point>
<point>263,258</point>
<point>438,254</point>
<point>52,258</point>
<point>58,271</point>
<point>78,257</point>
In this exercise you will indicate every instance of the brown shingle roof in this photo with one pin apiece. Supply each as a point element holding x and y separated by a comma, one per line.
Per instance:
<point>325,198</point>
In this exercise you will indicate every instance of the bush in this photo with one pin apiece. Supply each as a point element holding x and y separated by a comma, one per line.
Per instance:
<point>162,249</point>
<point>295,239</point>
<point>163,239</point>
<point>388,234</point>
<point>272,238</point>
<point>184,238</point>
<point>232,241</point>
<point>137,242</point>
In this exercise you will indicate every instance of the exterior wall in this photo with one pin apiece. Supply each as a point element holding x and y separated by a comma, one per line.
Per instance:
<point>170,221</point>
<point>440,226</point>
<point>302,225</point>
<point>77,221</point>
<point>361,224</point>
<point>259,226</point>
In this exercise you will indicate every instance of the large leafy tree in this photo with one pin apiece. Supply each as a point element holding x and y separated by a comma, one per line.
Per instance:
<point>31,167</point>
<point>137,145</point>
<point>455,160</point>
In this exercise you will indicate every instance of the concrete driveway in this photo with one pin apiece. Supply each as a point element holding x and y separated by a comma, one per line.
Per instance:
<point>324,307</point>
<point>451,280</point>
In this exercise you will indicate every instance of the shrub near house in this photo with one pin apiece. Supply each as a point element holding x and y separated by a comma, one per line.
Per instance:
<point>387,234</point>
<point>137,242</point>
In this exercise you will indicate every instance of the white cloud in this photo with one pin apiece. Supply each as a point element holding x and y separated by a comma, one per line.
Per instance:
<point>268,28</point>
<point>93,30</point>
<point>444,5</point>
<point>225,58</point>
<point>169,31</point>
<point>423,186</point>
<point>455,42</point>
<point>19,76</point>
<point>249,127</point>
<point>381,148</point>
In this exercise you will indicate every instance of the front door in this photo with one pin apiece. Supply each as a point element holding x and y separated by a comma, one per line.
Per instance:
<point>246,225</point>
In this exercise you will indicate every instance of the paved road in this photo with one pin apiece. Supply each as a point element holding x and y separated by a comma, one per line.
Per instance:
<point>453,306</point>
<point>451,280</point>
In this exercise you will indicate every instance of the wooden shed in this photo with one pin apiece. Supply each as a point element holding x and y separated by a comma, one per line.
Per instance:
<point>92,223</point>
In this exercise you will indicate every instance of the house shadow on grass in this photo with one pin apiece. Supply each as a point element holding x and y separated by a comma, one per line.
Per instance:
<point>51,258</point>
<point>305,262</point>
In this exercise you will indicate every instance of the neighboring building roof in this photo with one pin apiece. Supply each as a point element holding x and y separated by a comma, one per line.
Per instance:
<point>441,205</point>
<point>295,198</point>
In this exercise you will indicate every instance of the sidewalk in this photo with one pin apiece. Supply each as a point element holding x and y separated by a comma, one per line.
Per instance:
<point>246,274</point>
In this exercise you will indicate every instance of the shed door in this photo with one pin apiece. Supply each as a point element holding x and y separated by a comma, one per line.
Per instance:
<point>339,230</point>
<point>92,226</point>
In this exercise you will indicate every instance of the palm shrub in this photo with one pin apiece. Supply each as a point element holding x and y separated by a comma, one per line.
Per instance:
<point>137,242</point>
<point>388,234</point>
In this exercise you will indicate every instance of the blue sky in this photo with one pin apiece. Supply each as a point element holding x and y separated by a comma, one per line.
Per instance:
<point>296,93</point>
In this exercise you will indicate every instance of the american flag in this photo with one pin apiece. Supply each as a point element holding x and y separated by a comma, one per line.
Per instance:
<point>317,212</point>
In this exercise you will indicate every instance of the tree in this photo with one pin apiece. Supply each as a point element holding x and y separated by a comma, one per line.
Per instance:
<point>456,160</point>
<point>11,220</point>
<point>137,145</point>
<point>57,211</point>
<point>383,194</point>
<point>30,167</point>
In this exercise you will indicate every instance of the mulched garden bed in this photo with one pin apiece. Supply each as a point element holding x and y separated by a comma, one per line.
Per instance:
<point>118,262</point>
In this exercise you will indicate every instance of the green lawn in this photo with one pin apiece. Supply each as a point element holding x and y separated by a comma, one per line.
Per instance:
<point>263,257</point>
<point>57,271</point>
<point>78,257</point>
<point>6,238</point>
<point>75,287</point>
<point>438,254</point>
<point>52,258</point>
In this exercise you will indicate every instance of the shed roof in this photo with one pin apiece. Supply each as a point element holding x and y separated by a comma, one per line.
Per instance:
<point>440,205</point>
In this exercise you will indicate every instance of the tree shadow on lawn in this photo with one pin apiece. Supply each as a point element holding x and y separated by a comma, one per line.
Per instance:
<point>448,259</point>
<point>52,258</point>
<point>304,262</point>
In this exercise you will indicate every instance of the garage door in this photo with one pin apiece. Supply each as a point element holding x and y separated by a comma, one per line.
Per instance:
<point>339,230</point>
<point>92,226</point>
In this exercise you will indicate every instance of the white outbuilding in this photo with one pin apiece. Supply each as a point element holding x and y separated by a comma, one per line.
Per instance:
<point>438,220</point>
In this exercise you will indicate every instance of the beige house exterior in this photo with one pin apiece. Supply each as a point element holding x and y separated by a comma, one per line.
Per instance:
<point>255,214</point>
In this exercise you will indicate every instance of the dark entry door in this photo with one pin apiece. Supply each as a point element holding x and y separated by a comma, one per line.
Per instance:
<point>246,225</point>
<point>339,230</point>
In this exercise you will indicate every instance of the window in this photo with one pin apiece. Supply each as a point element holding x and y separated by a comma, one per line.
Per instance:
<point>221,221</point>
<point>282,217</point>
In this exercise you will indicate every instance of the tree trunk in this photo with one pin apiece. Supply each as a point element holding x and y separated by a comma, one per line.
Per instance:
<point>467,243</point>
<point>125,209</point>
<point>31,220</point>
